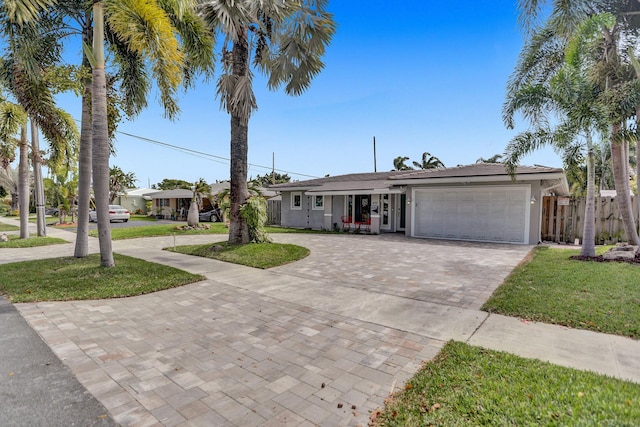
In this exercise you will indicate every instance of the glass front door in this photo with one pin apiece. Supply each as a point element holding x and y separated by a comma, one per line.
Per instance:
<point>385,214</point>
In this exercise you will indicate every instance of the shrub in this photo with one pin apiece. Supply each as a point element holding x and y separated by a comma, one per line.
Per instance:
<point>255,212</point>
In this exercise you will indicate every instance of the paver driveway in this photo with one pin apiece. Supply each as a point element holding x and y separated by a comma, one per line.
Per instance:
<point>317,342</point>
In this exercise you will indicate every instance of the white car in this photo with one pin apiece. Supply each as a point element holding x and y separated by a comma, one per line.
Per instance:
<point>116,213</point>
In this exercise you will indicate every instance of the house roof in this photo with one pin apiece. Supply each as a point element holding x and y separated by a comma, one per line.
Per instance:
<point>474,170</point>
<point>176,193</point>
<point>389,182</point>
<point>138,191</point>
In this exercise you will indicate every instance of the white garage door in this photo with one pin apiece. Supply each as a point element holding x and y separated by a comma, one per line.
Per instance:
<point>492,214</point>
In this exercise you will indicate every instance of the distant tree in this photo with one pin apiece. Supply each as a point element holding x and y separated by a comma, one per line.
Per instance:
<point>272,178</point>
<point>429,162</point>
<point>399,164</point>
<point>201,190</point>
<point>9,182</point>
<point>119,181</point>
<point>172,184</point>
<point>493,159</point>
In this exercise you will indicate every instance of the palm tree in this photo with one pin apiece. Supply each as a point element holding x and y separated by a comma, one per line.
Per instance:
<point>285,40</point>
<point>561,87</point>
<point>119,181</point>
<point>429,162</point>
<point>493,159</point>
<point>400,165</point>
<point>612,72</point>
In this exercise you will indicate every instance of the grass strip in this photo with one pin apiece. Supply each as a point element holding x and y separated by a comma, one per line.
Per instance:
<point>160,230</point>
<point>552,288</point>
<point>33,241</point>
<point>69,278</point>
<point>469,386</point>
<point>8,227</point>
<point>258,255</point>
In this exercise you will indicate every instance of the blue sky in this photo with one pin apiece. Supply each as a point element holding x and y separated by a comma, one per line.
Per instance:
<point>418,75</point>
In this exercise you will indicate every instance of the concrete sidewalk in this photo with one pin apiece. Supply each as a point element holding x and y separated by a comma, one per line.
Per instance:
<point>293,346</point>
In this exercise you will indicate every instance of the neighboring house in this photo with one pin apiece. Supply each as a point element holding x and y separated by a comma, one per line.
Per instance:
<point>478,202</point>
<point>171,202</point>
<point>135,199</point>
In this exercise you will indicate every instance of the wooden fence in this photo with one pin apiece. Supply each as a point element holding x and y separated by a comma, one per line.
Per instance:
<point>563,219</point>
<point>273,212</point>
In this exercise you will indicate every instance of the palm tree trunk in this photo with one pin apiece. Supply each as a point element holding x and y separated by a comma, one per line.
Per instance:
<point>589,228</point>
<point>238,229</point>
<point>621,178</point>
<point>23,183</point>
<point>38,185</point>
<point>100,137</point>
<point>84,161</point>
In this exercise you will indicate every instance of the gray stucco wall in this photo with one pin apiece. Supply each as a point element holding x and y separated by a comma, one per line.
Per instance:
<point>305,217</point>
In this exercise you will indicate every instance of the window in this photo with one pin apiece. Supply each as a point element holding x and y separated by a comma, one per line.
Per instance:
<point>296,201</point>
<point>318,202</point>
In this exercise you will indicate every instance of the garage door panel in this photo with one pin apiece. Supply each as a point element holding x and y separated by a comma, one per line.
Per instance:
<point>483,214</point>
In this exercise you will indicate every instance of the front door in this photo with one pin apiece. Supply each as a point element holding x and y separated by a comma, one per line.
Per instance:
<point>402,209</point>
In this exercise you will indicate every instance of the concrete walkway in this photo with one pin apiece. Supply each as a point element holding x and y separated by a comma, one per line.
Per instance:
<point>318,342</point>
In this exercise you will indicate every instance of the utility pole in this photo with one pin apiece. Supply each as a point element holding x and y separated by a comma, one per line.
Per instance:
<point>273,167</point>
<point>375,168</point>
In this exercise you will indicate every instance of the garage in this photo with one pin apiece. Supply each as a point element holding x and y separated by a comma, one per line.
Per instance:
<point>480,213</point>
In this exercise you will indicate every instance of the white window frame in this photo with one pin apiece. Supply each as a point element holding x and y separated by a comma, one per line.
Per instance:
<point>315,206</point>
<point>293,198</point>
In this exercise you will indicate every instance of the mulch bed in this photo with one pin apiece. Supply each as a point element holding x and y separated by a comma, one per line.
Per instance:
<point>600,258</point>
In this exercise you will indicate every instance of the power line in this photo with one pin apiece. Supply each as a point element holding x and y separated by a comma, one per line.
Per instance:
<point>212,157</point>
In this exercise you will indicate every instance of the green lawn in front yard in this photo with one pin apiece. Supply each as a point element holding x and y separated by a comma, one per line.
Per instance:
<point>552,288</point>
<point>16,242</point>
<point>69,278</point>
<point>258,255</point>
<point>472,386</point>
<point>160,230</point>
<point>8,227</point>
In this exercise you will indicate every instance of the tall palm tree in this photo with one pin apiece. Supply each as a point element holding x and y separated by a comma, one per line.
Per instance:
<point>611,70</point>
<point>400,165</point>
<point>285,40</point>
<point>560,87</point>
<point>164,37</point>
<point>428,162</point>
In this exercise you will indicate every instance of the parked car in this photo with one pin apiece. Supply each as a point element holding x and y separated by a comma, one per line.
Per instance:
<point>116,213</point>
<point>210,216</point>
<point>51,211</point>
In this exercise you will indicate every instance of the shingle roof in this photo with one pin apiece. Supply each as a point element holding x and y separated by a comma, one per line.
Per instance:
<point>476,169</point>
<point>381,179</point>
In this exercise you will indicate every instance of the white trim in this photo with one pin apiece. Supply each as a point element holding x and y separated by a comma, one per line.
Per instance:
<point>356,192</point>
<point>293,195</point>
<point>313,202</point>
<point>328,214</point>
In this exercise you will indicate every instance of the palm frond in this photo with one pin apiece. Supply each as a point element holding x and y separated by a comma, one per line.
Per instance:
<point>146,29</point>
<point>22,12</point>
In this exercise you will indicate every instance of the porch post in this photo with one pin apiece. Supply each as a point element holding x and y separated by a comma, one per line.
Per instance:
<point>375,213</point>
<point>328,208</point>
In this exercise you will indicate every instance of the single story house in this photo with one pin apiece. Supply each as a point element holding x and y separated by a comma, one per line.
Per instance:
<point>478,202</point>
<point>171,203</point>
<point>135,199</point>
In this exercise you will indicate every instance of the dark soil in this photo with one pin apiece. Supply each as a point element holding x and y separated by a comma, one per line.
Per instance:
<point>600,258</point>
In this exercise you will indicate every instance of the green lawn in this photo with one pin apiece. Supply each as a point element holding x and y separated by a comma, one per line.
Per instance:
<point>471,386</point>
<point>258,255</point>
<point>16,242</point>
<point>160,230</point>
<point>552,288</point>
<point>8,227</point>
<point>72,278</point>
